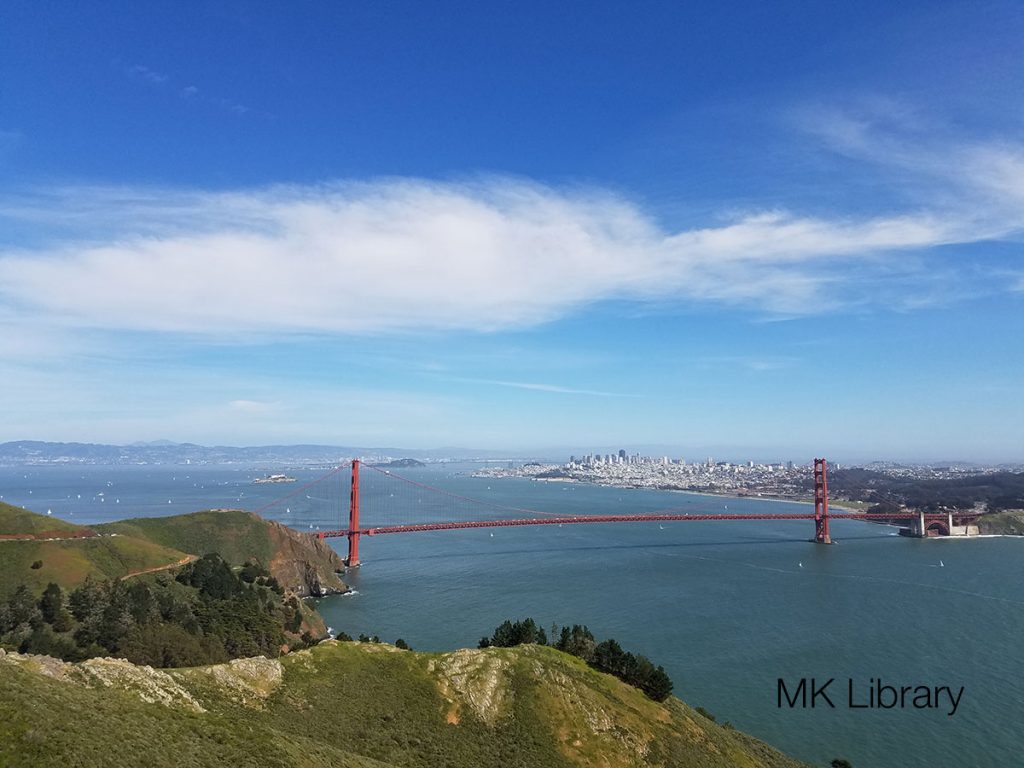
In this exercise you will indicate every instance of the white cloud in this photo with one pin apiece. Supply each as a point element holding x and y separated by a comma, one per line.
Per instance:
<point>413,255</point>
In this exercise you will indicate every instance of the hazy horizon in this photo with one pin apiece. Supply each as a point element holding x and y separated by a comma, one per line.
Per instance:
<point>560,453</point>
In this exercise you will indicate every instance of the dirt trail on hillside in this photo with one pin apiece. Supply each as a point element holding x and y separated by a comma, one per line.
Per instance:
<point>184,561</point>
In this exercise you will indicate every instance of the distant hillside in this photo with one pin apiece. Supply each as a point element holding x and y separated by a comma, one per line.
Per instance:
<point>995,490</point>
<point>74,553</point>
<point>1007,523</point>
<point>18,521</point>
<point>37,452</point>
<point>300,562</point>
<point>354,705</point>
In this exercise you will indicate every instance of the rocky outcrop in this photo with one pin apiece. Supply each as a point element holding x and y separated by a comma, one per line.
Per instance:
<point>474,679</point>
<point>304,564</point>
<point>154,686</point>
<point>248,681</point>
<point>354,705</point>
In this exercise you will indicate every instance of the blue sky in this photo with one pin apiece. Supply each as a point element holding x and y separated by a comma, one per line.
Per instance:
<point>767,230</point>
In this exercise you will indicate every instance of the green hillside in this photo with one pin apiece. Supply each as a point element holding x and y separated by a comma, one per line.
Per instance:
<point>233,534</point>
<point>300,562</point>
<point>18,521</point>
<point>355,705</point>
<point>67,562</point>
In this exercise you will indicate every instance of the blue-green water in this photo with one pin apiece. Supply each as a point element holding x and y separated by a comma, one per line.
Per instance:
<point>726,607</point>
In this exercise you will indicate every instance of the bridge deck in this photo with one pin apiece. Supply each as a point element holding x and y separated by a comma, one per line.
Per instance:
<point>583,519</point>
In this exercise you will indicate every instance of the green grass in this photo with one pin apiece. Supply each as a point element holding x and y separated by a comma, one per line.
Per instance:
<point>68,563</point>
<point>45,722</point>
<point>20,521</point>
<point>233,534</point>
<point>350,704</point>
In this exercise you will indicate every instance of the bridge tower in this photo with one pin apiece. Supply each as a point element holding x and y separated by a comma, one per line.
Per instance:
<point>821,534</point>
<point>352,560</point>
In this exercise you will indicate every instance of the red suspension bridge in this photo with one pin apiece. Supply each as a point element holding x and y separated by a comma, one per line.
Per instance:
<point>415,515</point>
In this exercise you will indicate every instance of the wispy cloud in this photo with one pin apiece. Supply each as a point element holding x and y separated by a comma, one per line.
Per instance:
<point>986,175</point>
<point>188,92</point>
<point>759,364</point>
<point>554,388</point>
<point>149,75</point>
<point>231,106</point>
<point>401,255</point>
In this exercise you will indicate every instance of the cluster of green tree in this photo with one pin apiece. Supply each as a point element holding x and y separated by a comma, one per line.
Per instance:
<point>509,634</point>
<point>996,490</point>
<point>605,656</point>
<point>206,614</point>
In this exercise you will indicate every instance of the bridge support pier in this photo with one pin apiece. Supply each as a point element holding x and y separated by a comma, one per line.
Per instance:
<point>821,533</point>
<point>352,561</point>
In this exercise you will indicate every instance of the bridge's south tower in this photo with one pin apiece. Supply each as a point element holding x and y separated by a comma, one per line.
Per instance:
<point>353,518</point>
<point>821,534</point>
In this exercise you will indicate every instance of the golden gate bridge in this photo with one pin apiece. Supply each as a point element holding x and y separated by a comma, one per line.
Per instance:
<point>407,513</point>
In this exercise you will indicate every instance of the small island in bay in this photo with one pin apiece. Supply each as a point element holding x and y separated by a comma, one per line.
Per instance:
<point>274,479</point>
<point>400,463</point>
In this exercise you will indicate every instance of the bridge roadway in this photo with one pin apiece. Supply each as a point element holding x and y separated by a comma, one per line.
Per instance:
<point>652,518</point>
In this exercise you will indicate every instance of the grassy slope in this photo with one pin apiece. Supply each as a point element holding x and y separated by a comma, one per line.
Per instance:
<point>150,543</point>
<point>238,536</point>
<point>349,704</point>
<point>21,521</point>
<point>69,561</point>
<point>233,534</point>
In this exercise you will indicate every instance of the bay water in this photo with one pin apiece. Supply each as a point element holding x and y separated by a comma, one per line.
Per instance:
<point>728,608</point>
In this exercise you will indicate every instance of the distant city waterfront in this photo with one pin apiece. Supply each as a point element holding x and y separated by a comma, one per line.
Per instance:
<point>726,607</point>
<point>780,480</point>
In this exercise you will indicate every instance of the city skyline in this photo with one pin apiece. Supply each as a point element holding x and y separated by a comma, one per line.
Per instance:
<point>770,232</point>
